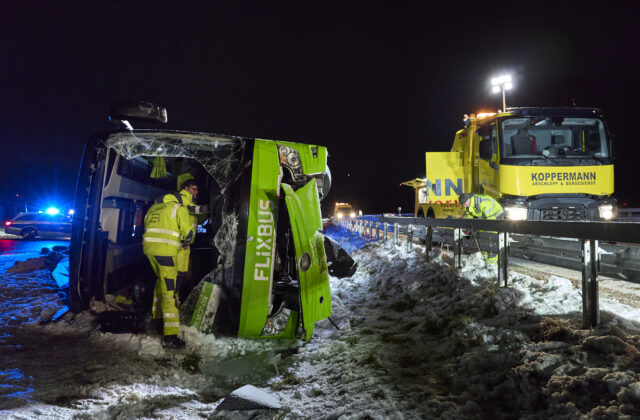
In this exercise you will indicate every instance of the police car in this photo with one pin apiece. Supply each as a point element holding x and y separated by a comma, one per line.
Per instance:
<point>32,225</point>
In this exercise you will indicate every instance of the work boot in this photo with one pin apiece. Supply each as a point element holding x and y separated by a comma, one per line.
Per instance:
<point>172,342</point>
<point>157,325</point>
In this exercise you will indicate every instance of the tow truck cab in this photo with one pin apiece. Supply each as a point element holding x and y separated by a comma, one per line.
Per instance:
<point>343,210</point>
<point>541,163</point>
<point>260,242</point>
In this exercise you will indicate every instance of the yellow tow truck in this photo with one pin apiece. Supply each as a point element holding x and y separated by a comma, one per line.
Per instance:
<point>541,163</point>
<point>343,211</point>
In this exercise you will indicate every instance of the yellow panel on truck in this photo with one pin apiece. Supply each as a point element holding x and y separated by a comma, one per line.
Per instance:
<point>536,180</point>
<point>445,181</point>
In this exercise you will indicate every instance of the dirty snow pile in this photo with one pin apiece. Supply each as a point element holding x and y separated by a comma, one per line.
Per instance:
<point>419,340</point>
<point>416,339</point>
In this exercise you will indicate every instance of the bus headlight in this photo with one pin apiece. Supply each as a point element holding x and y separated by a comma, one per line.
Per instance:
<point>606,211</point>
<point>290,158</point>
<point>516,212</point>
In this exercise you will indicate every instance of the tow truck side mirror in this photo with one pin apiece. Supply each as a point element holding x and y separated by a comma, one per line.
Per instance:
<point>613,152</point>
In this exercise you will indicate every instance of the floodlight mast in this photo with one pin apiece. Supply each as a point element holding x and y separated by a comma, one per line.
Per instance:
<point>502,83</point>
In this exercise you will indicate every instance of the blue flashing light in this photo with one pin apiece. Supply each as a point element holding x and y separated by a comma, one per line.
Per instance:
<point>52,211</point>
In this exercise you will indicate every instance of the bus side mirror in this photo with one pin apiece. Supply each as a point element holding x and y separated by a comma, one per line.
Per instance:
<point>485,149</point>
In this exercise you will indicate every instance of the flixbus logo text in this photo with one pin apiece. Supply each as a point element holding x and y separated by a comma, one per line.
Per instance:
<point>265,248</point>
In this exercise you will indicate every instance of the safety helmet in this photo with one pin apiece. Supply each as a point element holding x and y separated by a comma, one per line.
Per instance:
<point>464,197</point>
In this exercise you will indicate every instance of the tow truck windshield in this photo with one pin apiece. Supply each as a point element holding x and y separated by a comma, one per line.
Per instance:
<point>527,140</point>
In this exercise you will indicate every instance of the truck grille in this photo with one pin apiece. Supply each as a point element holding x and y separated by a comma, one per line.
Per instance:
<point>565,213</point>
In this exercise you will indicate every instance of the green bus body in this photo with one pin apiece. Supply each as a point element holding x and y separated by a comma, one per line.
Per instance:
<point>274,265</point>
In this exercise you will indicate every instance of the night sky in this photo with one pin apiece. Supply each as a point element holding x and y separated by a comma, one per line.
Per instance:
<point>377,83</point>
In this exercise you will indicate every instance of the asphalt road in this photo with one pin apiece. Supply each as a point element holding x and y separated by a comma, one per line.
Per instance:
<point>18,249</point>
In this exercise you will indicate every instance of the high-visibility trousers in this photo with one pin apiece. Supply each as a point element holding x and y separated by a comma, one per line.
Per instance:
<point>183,270</point>
<point>164,303</point>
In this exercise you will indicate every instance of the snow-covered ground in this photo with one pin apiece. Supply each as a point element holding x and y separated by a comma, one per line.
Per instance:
<point>417,339</point>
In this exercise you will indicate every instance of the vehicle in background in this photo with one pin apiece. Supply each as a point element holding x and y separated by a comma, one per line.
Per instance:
<point>540,163</point>
<point>32,225</point>
<point>343,210</point>
<point>261,244</point>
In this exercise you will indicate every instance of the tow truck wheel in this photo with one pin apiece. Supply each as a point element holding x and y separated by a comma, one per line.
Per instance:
<point>28,233</point>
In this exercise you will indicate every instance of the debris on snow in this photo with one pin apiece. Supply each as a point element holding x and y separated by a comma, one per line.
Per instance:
<point>248,398</point>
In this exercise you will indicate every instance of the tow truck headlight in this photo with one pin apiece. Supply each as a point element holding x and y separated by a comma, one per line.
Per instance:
<point>353,214</point>
<point>516,212</point>
<point>339,215</point>
<point>606,211</point>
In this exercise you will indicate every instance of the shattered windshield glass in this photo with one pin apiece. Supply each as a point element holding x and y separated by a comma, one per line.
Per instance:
<point>220,156</point>
<point>553,137</point>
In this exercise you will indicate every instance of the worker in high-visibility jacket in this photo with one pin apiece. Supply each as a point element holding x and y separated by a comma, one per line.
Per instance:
<point>168,228</point>
<point>481,206</point>
<point>186,197</point>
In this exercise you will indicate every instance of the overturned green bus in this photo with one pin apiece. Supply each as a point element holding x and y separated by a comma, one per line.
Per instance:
<point>260,243</point>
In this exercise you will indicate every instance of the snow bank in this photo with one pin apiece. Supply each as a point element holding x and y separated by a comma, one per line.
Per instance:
<point>419,339</point>
<point>416,339</point>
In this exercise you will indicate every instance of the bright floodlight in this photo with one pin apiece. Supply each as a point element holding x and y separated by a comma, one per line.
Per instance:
<point>500,84</point>
<point>52,211</point>
<point>501,80</point>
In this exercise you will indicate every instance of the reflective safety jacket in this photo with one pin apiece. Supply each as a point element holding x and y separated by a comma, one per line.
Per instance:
<point>167,226</point>
<point>484,207</point>
<point>185,198</point>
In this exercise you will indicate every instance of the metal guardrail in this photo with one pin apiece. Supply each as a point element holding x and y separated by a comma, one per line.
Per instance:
<point>587,233</point>
<point>628,214</point>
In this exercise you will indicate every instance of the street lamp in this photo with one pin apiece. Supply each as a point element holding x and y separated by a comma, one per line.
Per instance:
<point>501,83</point>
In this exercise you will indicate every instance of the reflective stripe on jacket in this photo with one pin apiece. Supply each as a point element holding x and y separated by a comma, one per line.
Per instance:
<point>483,207</point>
<point>167,226</point>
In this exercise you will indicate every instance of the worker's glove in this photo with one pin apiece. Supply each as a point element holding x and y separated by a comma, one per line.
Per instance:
<point>204,209</point>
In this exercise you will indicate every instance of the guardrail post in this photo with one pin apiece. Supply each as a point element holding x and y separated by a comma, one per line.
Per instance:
<point>427,242</point>
<point>386,231</point>
<point>396,231</point>
<point>590,304</point>
<point>503,256</point>
<point>409,237</point>
<point>457,248</point>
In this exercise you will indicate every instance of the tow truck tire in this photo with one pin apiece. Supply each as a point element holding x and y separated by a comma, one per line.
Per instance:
<point>28,233</point>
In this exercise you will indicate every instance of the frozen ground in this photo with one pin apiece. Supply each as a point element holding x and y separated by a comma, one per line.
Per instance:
<point>416,340</point>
